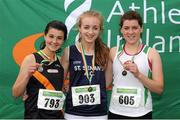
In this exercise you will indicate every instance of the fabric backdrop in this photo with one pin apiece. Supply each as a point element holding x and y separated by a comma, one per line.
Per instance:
<point>23,21</point>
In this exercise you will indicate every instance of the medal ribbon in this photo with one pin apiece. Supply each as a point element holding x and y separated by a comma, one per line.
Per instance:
<point>121,52</point>
<point>85,63</point>
<point>46,56</point>
<point>43,54</point>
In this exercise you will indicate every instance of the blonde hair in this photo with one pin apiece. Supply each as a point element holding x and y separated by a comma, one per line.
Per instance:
<point>102,51</point>
<point>91,13</point>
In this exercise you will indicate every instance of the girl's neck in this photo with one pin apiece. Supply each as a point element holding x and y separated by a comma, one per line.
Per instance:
<point>49,54</point>
<point>88,47</point>
<point>132,49</point>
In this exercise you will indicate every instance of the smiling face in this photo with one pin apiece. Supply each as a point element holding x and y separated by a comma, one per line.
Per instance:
<point>54,39</point>
<point>89,28</point>
<point>131,31</point>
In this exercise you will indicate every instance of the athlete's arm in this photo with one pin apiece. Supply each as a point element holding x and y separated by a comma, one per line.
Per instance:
<point>109,69</point>
<point>28,67</point>
<point>65,64</point>
<point>155,84</point>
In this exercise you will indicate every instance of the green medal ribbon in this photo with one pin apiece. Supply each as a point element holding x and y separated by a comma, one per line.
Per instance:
<point>47,58</point>
<point>85,63</point>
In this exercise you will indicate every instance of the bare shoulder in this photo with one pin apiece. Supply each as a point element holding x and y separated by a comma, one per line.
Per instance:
<point>113,48</point>
<point>66,51</point>
<point>153,54</point>
<point>113,52</point>
<point>153,51</point>
<point>29,59</point>
<point>65,55</point>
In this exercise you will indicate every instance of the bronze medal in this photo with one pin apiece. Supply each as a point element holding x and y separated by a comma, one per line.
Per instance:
<point>124,72</point>
<point>90,89</point>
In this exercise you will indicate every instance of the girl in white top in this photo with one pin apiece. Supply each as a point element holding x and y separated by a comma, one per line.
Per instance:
<point>137,71</point>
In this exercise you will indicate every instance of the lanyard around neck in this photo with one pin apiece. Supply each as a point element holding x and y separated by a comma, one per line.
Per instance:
<point>121,52</point>
<point>47,58</point>
<point>43,54</point>
<point>85,63</point>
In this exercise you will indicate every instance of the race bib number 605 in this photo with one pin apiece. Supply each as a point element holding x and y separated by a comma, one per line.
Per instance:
<point>129,97</point>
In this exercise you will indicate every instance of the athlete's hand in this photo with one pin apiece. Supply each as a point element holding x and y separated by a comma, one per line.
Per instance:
<point>65,87</point>
<point>32,68</point>
<point>24,96</point>
<point>131,67</point>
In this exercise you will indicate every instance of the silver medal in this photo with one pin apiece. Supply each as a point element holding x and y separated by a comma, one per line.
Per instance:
<point>40,68</point>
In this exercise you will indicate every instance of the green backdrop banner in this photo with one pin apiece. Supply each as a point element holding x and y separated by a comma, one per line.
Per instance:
<point>22,23</point>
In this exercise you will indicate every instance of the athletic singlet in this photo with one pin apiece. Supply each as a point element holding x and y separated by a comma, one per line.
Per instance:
<point>129,95</point>
<point>33,86</point>
<point>78,78</point>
